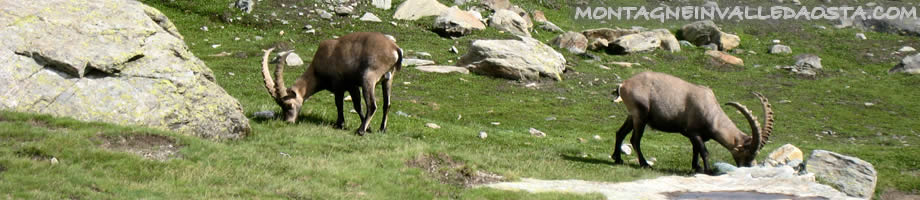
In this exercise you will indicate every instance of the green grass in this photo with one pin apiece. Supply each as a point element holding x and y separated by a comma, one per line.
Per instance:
<point>327,163</point>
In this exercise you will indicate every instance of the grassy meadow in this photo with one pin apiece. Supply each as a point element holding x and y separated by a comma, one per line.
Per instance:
<point>312,160</point>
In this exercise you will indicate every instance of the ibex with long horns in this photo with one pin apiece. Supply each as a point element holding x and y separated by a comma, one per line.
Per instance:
<point>669,104</point>
<point>347,64</point>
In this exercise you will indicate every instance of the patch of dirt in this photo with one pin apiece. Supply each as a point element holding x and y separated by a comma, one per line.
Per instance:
<point>897,194</point>
<point>449,171</point>
<point>153,147</point>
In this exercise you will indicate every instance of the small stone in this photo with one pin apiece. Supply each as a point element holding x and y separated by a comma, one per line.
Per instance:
<point>231,74</point>
<point>626,148</point>
<point>325,14</point>
<point>780,49</point>
<point>776,41</point>
<point>537,133</point>
<point>401,113</point>
<point>204,28</point>
<point>265,114</point>
<point>550,118</point>
<point>423,54</point>
<point>624,64</point>
<point>215,45</point>
<point>725,58</point>
<point>907,49</point>
<point>496,123</point>
<point>861,36</point>
<point>603,67</point>
<point>344,10</point>
<point>686,43</point>
<point>597,137</point>
<point>483,135</point>
<point>347,98</point>
<point>581,140</point>
<point>432,125</point>
<point>869,104</point>
<point>711,46</point>
<point>54,160</point>
<point>453,49</point>
<point>720,168</point>
<point>370,17</point>
<point>787,154</point>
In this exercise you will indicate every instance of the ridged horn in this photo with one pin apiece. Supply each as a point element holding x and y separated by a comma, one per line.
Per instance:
<point>755,127</point>
<point>768,119</point>
<point>275,88</point>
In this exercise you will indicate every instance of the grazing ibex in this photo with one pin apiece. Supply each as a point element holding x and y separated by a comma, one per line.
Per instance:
<point>347,64</point>
<point>669,104</point>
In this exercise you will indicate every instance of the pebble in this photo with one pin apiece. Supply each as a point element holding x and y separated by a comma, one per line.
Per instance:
<point>483,135</point>
<point>432,125</point>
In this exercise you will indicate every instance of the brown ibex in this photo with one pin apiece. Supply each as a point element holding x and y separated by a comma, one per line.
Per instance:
<point>347,64</point>
<point>669,104</point>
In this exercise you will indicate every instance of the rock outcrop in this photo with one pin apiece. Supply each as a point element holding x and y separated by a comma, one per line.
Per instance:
<point>415,9</point>
<point>850,175</point>
<point>524,58</point>
<point>910,65</point>
<point>116,61</point>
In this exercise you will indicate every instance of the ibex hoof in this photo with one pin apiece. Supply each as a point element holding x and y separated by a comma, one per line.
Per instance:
<point>360,133</point>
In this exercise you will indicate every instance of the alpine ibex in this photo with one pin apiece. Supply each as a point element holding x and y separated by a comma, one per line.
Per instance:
<point>670,104</point>
<point>347,64</point>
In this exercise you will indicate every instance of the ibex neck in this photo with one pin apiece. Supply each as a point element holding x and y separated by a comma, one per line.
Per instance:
<point>305,85</point>
<point>729,135</point>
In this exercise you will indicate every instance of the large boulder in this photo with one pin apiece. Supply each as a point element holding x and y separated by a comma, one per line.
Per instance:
<point>850,175</point>
<point>116,61</point>
<point>415,9</point>
<point>706,32</point>
<point>456,22</point>
<point>598,39</point>
<point>524,58</point>
<point>669,42</point>
<point>910,65</point>
<point>510,21</point>
<point>634,43</point>
<point>572,41</point>
<point>908,26</point>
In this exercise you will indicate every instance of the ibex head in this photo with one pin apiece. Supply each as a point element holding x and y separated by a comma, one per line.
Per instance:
<point>746,151</point>
<point>290,100</point>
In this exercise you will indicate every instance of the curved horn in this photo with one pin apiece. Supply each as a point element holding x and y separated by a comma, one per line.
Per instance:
<point>768,119</point>
<point>275,88</point>
<point>755,127</point>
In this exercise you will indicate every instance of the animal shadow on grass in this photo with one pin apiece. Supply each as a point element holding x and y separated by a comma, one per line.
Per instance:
<point>633,165</point>
<point>308,118</point>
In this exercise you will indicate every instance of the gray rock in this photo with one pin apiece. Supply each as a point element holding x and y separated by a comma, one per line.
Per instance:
<point>668,41</point>
<point>523,13</point>
<point>706,32</point>
<point>456,22</point>
<point>416,62</point>
<point>710,46</point>
<point>344,10</point>
<point>443,69</point>
<point>906,49</point>
<point>572,41</point>
<point>850,175</point>
<point>510,21</point>
<point>536,132</point>
<point>382,4</point>
<point>524,58</point>
<point>129,67</point>
<point>686,43</point>
<point>780,49</point>
<point>907,27</point>
<point>909,64</point>
<point>483,135</point>
<point>861,36</point>
<point>324,14</point>
<point>415,9</point>
<point>292,59</point>
<point>720,168</point>
<point>370,17</point>
<point>607,34</point>
<point>633,43</point>
<point>808,62</point>
<point>244,5</point>
<point>549,26</point>
<point>265,114</point>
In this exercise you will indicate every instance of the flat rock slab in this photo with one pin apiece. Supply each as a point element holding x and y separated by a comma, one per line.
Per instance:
<point>115,61</point>
<point>442,69</point>
<point>760,180</point>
